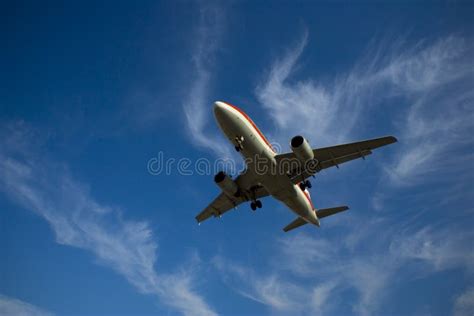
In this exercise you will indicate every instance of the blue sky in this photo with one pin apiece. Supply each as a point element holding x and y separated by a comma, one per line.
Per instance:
<point>90,92</point>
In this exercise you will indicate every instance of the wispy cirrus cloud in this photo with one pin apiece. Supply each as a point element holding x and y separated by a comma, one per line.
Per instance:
<point>198,104</point>
<point>431,84</point>
<point>428,83</point>
<point>15,307</point>
<point>306,282</point>
<point>464,303</point>
<point>287,291</point>
<point>270,289</point>
<point>38,184</point>
<point>428,88</point>
<point>440,248</point>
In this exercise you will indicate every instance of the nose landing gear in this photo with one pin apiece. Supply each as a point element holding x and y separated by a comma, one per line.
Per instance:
<point>239,140</point>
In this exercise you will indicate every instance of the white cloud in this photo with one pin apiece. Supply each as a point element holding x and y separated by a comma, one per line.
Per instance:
<point>270,289</point>
<point>428,88</point>
<point>301,107</point>
<point>434,134</point>
<point>464,304</point>
<point>198,106</point>
<point>178,290</point>
<point>301,259</point>
<point>441,248</point>
<point>320,295</point>
<point>430,83</point>
<point>14,307</point>
<point>310,274</point>
<point>335,265</point>
<point>78,220</point>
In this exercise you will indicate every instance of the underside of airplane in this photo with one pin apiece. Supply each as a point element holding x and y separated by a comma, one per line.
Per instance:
<point>282,176</point>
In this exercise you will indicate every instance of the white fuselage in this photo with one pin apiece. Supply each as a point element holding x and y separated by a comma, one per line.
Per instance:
<point>260,158</point>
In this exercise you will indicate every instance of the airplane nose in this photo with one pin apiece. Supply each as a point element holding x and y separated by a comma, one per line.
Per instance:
<point>220,109</point>
<point>219,106</point>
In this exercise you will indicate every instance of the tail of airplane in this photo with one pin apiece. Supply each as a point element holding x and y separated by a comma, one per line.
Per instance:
<point>324,212</point>
<point>299,221</point>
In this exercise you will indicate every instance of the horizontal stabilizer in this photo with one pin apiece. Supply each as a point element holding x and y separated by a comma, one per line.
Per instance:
<point>325,212</point>
<point>295,224</point>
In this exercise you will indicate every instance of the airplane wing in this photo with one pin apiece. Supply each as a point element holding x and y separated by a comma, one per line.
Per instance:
<point>336,155</point>
<point>223,202</point>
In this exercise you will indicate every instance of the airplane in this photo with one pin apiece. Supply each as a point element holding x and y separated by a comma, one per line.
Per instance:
<point>282,176</point>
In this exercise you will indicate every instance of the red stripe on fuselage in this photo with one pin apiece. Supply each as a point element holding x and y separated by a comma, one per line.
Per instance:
<point>253,125</point>
<point>307,197</point>
<point>266,142</point>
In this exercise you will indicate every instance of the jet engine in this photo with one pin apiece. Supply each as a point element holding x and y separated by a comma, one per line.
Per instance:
<point>302,149</point>
<point>227,185</point>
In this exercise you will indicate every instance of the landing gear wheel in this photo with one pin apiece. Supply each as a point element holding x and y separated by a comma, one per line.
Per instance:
<point>305,184</point>
<point>253,206</point>
<point>258,203</point>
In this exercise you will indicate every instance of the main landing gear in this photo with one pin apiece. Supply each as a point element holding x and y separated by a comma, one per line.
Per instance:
<point>255,205</point>
<point>305,184</point>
